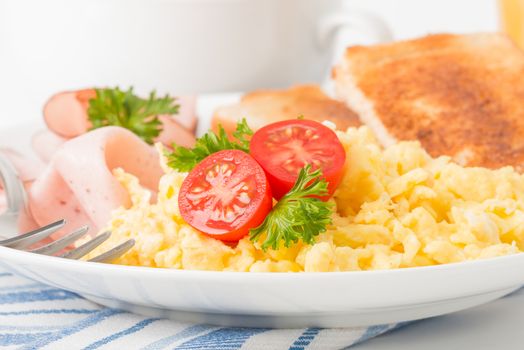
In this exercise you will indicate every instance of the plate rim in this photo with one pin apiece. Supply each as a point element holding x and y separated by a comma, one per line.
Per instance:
<point>14,254</point>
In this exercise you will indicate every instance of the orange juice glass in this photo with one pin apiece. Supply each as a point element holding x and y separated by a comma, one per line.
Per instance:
<point>512,19</point>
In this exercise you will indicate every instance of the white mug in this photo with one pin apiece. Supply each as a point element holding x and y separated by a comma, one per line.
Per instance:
<point>182,46</point>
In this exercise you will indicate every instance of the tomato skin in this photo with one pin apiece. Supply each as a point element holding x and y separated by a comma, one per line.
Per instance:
<point>232,181</point>
<point>297,142</point>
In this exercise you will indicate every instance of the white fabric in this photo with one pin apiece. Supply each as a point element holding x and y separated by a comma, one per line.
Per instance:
<point>36,316</point>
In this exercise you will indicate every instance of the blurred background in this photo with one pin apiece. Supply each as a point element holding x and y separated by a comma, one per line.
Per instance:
<point>27,78</point>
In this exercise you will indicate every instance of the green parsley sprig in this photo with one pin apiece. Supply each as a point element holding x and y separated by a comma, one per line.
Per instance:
<point>185,159</point>
<point>124,108</point>
<point>299,215</point>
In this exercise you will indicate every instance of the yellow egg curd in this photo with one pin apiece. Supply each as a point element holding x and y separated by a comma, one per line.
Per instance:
<point>394,208</point>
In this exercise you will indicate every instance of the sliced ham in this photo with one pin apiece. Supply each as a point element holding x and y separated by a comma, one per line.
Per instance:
<point>173,132</point>
<point>45,143</point>
<point>66,115</point>
<point>66,112</point>
<point>187,112</point>
<point>78,183</point>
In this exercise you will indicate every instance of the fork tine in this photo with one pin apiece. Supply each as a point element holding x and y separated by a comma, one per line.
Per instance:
<point>33,237</point>
<point>114,253</point>
<point>87,247</point>
<point>61,243</point>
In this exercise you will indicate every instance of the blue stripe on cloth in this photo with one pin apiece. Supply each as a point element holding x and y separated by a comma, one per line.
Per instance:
<point>305,339</point>
<point>372,332</point>
<point>186,333</point>
<point>42,295</point>
<point>227,338</point>
<point>29,328</point>
<point>75,328</point>
<point>137,327</point>
<point>20,339</point>
<point>5,274</point>
<point>24,286</point>
<point>49,311</point>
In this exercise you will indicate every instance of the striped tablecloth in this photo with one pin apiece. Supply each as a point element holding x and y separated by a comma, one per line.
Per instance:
<point>35,316</point>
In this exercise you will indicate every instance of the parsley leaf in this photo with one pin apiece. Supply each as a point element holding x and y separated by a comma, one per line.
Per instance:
<point>298,215</point>
<point>242,134</point>
<point>185,159</point>
<point>125,109</point>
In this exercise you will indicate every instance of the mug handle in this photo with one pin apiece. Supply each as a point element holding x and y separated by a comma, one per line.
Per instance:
<point>336,30</point>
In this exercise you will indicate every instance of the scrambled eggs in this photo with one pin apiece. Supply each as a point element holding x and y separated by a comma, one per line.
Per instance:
<point>395,208</point>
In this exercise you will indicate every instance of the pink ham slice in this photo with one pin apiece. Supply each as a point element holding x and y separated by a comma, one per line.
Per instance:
<point>186,116</point>
<point>66,115</point>
<point>173,132</point>
<point>66,112</point>
<point>78,183</point>
<point>45,143</point>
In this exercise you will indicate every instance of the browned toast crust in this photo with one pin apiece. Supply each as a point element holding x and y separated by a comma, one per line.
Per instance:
<point>460,95</point>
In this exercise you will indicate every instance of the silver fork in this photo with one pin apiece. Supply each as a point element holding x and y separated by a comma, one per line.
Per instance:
<point>16,199</point>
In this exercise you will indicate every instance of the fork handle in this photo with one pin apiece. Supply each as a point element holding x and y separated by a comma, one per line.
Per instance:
<point>13,187</point>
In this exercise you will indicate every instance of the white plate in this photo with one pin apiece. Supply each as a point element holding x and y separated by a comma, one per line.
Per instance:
<point>337,299</point>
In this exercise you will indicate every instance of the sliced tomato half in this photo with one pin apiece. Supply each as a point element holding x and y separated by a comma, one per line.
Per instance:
<point>225,195</point>
<point>285,147</point>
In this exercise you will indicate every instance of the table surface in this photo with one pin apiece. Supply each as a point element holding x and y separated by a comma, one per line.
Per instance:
<point>494,325</point>
<point>497,324</point>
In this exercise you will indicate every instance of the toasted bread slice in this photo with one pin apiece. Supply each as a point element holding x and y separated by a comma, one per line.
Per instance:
<point>460,95</point>
<point>268,106</point>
